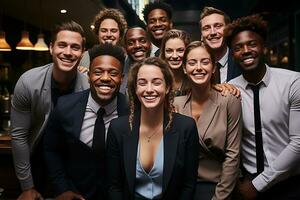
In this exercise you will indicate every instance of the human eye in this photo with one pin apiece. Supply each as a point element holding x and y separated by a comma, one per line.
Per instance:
<point>252,44</point>
<point>141,82</point>
<point>97,72</point>
<point>168,51</point>
<point>103,30</point>
<point>114,30</point>
<point>76,47</point>
<point>157,82</point>
<point>205,28</point>
<point>130,43</point>
<point>205,61</point>
<point>114,73</point>
<point>191,62</point>
<point>180,50</point>
<point>61,44</point>
<point>237,48</point>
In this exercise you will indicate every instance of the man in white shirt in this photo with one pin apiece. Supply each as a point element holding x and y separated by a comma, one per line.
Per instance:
<point>271,113</point>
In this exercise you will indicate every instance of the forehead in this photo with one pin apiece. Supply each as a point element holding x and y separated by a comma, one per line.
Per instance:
<point>106,61</point>
<point>157,13</point>
<point>109,23</point>
<point>211,19</point>
<point>174,42</point>
<point>150,72</point>
<point>69,37</point>
<point>135,33</point>
<point>198,53</point>
<point>245,36</point>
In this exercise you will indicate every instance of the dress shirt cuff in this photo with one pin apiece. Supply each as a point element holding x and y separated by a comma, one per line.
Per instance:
<point>26,184</point>
<point>259,183</point>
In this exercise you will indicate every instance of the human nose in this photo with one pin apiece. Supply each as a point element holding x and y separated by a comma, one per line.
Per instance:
<point>137,44</point>
<point>67,50</point>
<point>149,88</point>
<point>105,76</point>
<point>245,49</point>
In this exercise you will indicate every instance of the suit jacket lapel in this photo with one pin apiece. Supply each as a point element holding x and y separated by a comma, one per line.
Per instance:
<point>170,149</point>
<point>210,109</point>
<point>122,106</point>
<point>79,112</point>
<point>130,152</point>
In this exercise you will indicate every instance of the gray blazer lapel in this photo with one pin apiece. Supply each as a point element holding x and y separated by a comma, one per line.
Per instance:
<point>81,82</point>
<point>208,114</point>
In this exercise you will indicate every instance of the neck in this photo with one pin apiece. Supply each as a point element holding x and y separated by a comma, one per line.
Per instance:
<point>219,53</point>
<point>152,117</point>
<point>256,75</point>
<point>63,79</point>
<point>178,77</point>
<point>201,93</point>
<point>156,42</point>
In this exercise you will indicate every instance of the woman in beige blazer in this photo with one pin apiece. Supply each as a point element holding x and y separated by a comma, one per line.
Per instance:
<point>218,121</point>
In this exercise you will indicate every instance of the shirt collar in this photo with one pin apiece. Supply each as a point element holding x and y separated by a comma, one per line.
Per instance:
<point>265,80</point>
<point>109,108</point>
<point>224,60</point>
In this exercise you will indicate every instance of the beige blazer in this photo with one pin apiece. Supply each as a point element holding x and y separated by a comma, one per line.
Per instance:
<point>219,129</point>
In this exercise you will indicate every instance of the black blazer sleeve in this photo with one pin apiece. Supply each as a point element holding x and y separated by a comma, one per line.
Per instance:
<point>191,161</point>
<point>54,143</point>
<point>114,177</point>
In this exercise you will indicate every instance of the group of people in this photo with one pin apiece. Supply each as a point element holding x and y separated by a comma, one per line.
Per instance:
<point>150,114</point>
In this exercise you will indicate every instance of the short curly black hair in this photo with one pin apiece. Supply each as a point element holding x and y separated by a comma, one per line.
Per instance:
<point>157,5</point>
<point>253,23</point>
<point>108,49</point>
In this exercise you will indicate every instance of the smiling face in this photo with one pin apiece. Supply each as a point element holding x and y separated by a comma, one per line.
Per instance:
<point>199,67</point>
<point>248,49</point>
<point>109,32</point>
<point>174,50</point>
<point>212,30</point>
<point>67,50</point>
<point>105,78</point>
<point>138,46</point>
<point>151,87</point>
<point>158,24</point>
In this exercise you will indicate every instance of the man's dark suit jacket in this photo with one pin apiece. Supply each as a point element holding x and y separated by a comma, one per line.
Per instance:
<point>233,69</point>
<point>72,165</point>
<point>180,158</point>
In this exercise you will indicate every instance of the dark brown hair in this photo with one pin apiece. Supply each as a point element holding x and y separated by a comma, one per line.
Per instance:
<point>211,10</point>
<point>68,26</point>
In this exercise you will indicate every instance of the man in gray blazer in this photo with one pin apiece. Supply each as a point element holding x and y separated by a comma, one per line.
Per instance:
<point>35,95</point>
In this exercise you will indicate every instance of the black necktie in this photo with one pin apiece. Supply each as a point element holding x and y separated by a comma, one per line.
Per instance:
<point>258,133</point>
<point>217,73</point>
<point>99,134</point>
<point>157,52</point>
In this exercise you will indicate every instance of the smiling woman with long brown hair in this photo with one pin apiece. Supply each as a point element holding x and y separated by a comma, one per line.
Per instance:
<point>152,153</point>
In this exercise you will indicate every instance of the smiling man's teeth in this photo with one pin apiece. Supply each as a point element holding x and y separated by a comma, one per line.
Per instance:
<point>139,53</point>
<point>104,87</point>
<point>159,31</point>
<point>248,60</point>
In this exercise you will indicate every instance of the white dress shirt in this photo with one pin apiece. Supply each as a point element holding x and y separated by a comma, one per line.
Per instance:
<point>280,118</point>
<point>224,69</point>
<point>90,116</point>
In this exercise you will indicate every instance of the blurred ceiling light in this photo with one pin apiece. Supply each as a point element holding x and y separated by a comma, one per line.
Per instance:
<point>63,11</point>
<point>40,44</point>
<point>4,46</point>
<point>25,43</point>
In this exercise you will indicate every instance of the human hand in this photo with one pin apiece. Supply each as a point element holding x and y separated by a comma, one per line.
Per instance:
<point>224,88</point>
<point>83,69</point>
<point>247,190</point>
<point>30,194</point>
<point>69,195</point>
